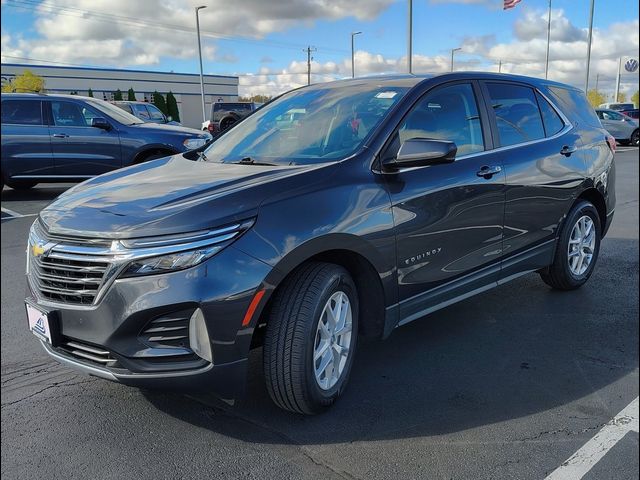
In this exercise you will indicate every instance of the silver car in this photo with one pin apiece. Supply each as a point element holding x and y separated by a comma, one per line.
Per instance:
<point>624,129</point>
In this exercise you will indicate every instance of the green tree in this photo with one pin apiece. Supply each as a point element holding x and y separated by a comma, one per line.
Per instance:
<point>635,99</point>
<point>26,82</point>
<point>595,98</point>
<point>158,101</point>
<point>90,93</point>
<point>117,96</point>
<point>131,95</point>
<point>172,107</point>
<point>255,98</point>
<point>622,97</point>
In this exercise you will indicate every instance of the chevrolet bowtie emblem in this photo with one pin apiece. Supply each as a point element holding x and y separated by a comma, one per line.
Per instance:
<point>37,250</point>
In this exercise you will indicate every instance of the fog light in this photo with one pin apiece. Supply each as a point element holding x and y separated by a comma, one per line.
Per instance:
<point>199,337</point>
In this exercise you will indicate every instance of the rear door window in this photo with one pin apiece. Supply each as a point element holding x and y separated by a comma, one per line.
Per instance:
<point>517,114</point>
<point>22,112</point>
<point>552,121</point>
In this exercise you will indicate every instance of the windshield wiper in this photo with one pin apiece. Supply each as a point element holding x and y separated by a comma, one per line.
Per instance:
<point>251,161</point>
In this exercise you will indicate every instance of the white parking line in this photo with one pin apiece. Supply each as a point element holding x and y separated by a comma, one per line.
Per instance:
<point>13,214</point>
<point>584,459</point>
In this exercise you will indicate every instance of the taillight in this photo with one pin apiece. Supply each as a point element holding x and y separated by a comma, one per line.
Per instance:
<point>211,127</point>
<point>612,143</point>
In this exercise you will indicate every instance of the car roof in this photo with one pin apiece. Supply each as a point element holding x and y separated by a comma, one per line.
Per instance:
<point>48,95</point>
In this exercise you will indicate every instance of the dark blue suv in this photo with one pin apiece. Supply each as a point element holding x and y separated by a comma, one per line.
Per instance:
<point>62,138</point>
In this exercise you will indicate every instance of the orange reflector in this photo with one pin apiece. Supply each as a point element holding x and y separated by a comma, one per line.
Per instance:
<point>252,308</point>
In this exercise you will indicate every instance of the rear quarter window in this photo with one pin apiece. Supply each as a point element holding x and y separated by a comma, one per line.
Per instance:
<point>574,104</point>
<point>553,123</point>
<point>22,112</point>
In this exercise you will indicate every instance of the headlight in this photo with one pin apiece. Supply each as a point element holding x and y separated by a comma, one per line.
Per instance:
<point>193,143</point>
<point>170,253</point>
<point>170,263</point>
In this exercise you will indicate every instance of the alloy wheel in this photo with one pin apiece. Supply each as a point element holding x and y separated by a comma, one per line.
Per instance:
<point>581,246</point>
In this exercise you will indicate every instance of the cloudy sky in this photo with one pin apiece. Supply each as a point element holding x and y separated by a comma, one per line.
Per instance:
<point>262,41</point>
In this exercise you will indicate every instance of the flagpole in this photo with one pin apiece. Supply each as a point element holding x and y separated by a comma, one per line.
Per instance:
<point>586,82</point>
<point>546,65</point>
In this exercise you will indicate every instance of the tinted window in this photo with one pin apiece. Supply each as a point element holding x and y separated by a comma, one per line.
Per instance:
<point>574,102</point>
<point>155,113</point>
<point>68,114</point>
<point>609,115</point>
<point>517,114</point>
<point>140,111</point>
<point>22,112</point>
<point>230,107</point>
<point>552,121</point>
<point>448,113</point>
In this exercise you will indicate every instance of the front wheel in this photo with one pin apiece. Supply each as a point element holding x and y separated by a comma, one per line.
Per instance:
<point>577,249</point>
<point>311,338</point>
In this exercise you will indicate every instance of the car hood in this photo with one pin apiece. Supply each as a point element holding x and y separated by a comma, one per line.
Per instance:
<point>168,128</point>
<point>165,196</point>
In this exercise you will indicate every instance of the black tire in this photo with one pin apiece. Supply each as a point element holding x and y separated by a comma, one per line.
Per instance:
<point>227,123</point>
<point>635,138</point>
<point>291,337</point>
<point>147,157</point>
<point>21,184</point>
<point>559,275</point>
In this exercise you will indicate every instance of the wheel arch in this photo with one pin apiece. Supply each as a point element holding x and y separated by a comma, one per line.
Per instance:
<point>596,198</point>
<point>152,149</point>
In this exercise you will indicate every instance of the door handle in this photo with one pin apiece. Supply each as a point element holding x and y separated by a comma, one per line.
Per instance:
<point>488,171</point>
<point>567,150</point>
<point>60,135</point>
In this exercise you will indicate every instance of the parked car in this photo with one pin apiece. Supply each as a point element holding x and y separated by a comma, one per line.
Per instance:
<point>635,113</point>
<point>393,197</point>
<point>63,138</point>
<point>617,106</point>
<point>623,128</point>
<point>226,114</point>
<point>147,112</point>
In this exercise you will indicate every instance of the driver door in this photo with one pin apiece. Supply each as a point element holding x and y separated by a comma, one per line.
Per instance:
<point>448,217</point>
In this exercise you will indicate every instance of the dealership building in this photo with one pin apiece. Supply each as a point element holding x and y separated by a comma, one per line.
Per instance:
<point>105,81</point>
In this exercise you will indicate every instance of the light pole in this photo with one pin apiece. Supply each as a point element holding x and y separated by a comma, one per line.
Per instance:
<point>410,37</point>
<point>454,50</point>
<point>586,81</point>
<point>546,62</point>
<point>204,108</point>
<point>353,64</point>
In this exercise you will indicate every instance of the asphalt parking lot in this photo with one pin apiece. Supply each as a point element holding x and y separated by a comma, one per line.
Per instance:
<point>509,386</point>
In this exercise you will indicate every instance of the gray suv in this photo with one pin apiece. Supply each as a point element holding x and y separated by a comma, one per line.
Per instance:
<point>62,138</point>
<point>623,128</point>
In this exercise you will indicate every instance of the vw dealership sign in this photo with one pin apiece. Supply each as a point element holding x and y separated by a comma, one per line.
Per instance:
<point>631,65</point>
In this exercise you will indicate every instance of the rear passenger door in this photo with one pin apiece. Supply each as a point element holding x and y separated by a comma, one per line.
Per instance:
<point>448,217</point>
<point>80,150</point>
<point>26,148</point>
<point>544,165</point>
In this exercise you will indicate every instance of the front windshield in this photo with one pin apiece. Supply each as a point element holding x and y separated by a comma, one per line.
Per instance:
<point>308,125</point>
<point>116,113</point>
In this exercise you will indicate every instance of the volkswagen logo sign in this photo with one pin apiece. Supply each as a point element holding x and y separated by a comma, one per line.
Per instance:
<point>631,65</point>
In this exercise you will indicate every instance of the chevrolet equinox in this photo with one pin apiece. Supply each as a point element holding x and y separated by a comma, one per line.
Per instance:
<point>380,201</point>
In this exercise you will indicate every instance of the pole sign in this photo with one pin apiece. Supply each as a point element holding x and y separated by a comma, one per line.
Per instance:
<point>631,65</point>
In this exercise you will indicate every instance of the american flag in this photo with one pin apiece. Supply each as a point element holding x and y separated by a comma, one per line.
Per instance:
<point>510,4</point>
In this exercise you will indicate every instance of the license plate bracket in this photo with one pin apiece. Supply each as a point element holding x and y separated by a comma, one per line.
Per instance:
<point>43,324</point>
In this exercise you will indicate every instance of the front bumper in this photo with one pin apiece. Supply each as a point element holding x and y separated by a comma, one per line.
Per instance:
<point>221,287</point>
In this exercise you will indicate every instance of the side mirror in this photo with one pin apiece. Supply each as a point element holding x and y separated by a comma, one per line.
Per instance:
<point>420,152</point>
<point>100,122</point>
<point>169,118</point>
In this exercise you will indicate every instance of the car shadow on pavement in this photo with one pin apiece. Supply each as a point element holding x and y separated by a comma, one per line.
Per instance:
<point>49,192</point>
<point>520,350</point>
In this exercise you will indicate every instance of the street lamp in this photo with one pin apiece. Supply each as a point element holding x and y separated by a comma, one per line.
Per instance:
<point>353,65</point>
<point>204,108</point>
<point>453,50</point>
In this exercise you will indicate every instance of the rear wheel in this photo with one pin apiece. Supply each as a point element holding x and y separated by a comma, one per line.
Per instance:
<point>635,138</point>
<point>311,338</point>
<point>577,249</point>
<point>226,123</point>
<point>21,184</point>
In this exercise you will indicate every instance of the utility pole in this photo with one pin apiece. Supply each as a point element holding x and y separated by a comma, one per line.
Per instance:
<point>410,37</point>
<point>353,63</point>
<point>309,49</point>
<point>586,82</point>
<point>454,50</point>
<point>546,64</point>
<point>204,108</point>
<point>597,80</point>
<point>500,66</point>
<point>615,99</point>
